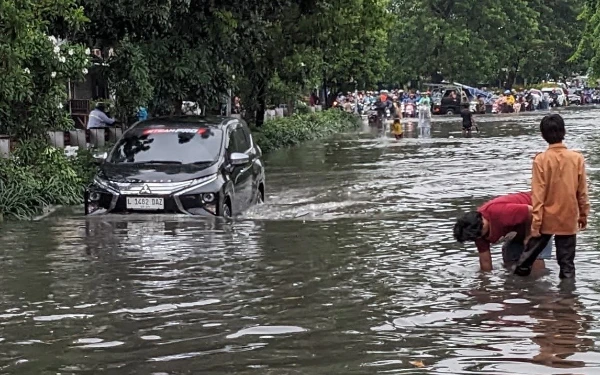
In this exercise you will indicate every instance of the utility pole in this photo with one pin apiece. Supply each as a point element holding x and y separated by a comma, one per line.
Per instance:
<point>228,103</point>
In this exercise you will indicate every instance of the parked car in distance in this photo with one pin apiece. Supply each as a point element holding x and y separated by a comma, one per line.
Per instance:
<point>193,165</point>
<point>450,101</point>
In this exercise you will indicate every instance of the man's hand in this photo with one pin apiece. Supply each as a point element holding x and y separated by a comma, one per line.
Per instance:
<point>582,221</point>
<point>531,234</point>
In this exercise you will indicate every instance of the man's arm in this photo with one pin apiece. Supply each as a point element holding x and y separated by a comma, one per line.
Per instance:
<point>105,119</point>
<point>485,255</point>
<point>582,193</point>
<point>538,195</point>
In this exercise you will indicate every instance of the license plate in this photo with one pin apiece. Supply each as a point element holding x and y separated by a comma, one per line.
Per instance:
<point>145,203</point>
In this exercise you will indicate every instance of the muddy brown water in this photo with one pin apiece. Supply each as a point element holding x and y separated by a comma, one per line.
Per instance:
<point>350,268</point>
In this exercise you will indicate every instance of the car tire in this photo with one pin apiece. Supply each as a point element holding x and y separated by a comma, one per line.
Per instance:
<point>449,111</point>
<point>226,209</point>
<point>260,195</point>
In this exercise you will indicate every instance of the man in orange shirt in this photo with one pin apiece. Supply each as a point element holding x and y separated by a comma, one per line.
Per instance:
<point>560,203</point>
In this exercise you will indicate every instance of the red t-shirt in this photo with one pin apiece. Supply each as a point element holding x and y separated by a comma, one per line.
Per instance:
<point>505,214</point>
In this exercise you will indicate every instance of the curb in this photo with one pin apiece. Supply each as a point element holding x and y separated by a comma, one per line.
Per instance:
<point>50,211</point>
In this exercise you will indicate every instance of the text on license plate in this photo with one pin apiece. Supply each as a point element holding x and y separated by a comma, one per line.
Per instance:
<point>142,203</point>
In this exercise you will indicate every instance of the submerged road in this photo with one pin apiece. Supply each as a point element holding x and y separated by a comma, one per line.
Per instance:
<point>350,268</point>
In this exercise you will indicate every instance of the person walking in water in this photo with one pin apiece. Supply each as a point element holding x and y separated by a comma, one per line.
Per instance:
<point>424,109</point>
<point>467,120</point>
<point>560,203</point>
<point>505,218</point>
<point>424,105</point>
<point>397,130</point>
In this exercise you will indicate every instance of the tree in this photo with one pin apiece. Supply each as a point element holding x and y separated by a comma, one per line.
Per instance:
<point>588,49</point>
<point>36,66</point>
<point>482,40</point>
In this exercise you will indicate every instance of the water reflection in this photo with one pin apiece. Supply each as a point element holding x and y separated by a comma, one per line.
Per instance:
<point>525,329</point>
<point>350,268</point>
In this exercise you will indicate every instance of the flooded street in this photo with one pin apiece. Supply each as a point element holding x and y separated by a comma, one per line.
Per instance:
<point>350,268</point>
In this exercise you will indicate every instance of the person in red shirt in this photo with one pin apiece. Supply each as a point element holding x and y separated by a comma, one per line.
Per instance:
<point>505,218</point>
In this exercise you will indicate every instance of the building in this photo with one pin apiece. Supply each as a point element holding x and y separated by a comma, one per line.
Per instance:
<point>93,88</point>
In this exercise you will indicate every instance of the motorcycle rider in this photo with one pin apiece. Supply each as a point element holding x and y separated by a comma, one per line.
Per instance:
<point>554,97</point>
<point>383,103</point>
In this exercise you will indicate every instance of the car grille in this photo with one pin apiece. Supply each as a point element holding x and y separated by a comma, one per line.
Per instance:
<point>152,188</point>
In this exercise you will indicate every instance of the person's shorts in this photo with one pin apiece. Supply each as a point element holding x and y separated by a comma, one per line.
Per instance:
<point>467,126</point>
<point>511,251</point>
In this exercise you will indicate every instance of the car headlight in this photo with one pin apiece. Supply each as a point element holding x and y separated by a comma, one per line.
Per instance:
<point>105,184</point>
<point>94,196</point>
<point>208,197</point>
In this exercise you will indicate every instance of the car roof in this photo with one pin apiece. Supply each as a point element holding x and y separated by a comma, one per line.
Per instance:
<point>186,121</point>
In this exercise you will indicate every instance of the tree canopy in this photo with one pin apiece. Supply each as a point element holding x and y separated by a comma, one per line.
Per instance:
<point>276,51</point>
<point>484,41</point>
<point>589,46</point>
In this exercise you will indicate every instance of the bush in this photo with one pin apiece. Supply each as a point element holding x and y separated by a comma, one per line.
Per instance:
<point>290,131</point>
<point>38,175</point>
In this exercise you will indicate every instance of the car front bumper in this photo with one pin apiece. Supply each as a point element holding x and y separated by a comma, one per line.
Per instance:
<point>200,199</point>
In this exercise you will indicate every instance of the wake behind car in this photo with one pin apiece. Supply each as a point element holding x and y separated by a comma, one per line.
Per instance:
<point>192,165</point>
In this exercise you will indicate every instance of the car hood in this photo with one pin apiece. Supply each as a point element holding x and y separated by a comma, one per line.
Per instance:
<point>156,172</point>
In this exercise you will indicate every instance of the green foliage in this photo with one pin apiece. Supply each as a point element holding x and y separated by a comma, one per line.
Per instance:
<point>36,66</point>
<point>588,49</point>
<point>290,131</point>
<point>483,40</point>
<point>38,175</point>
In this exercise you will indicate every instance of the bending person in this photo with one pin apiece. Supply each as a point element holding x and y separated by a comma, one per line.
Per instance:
<point>505,218</point>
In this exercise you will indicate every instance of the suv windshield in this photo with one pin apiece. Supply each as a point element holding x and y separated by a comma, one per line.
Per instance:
<point>168,145</point>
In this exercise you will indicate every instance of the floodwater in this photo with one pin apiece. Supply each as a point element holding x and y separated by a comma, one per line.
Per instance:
<point>350,268</point>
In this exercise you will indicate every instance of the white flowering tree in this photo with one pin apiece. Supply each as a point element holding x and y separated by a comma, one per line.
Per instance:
<point>35,67</point>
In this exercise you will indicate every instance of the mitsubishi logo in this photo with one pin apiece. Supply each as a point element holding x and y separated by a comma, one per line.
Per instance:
<point>145,189</point>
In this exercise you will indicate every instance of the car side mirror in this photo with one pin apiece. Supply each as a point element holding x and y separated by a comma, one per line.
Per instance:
<point>238,158</point>
<point>100,158</point>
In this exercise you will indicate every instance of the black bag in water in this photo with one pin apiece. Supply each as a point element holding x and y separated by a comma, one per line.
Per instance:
<point>534,247</point>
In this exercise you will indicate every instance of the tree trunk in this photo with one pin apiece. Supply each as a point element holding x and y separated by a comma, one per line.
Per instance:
<point>262,105</point>
<point>324,100</point>
<point>291,106</point>
<point>177,107</point>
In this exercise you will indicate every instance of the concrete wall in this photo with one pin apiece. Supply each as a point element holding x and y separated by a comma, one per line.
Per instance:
<point>272,114</point>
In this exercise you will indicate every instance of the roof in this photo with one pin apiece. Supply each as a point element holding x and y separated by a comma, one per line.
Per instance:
<point>186,120</point>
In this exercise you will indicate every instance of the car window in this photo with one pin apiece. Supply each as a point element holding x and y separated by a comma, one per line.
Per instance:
<point>239,140</point>
<point>247,136</point>
<point>183,145</point>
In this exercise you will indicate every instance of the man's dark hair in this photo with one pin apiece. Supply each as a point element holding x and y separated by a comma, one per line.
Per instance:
<point>101,106</point>
<point>468,227</point>
<point>553,128</point>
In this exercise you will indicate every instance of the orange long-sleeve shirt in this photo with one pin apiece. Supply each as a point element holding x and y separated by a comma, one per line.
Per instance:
<point>559,191</point>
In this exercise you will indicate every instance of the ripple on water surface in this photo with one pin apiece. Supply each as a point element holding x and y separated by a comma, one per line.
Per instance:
<point>350,268</point>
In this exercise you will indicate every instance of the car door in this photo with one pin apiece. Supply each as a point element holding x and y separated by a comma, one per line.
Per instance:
<point>241,175</point>
<point>256,163</point>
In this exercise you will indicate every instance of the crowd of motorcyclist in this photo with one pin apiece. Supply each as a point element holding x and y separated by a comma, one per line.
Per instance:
<point>385,104</point>
<point>399,103</point>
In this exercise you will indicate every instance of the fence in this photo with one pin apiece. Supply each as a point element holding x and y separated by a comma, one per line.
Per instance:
<point>82,138</point>
<point>272,114</point>
<point>70,140</point>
